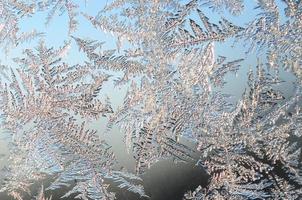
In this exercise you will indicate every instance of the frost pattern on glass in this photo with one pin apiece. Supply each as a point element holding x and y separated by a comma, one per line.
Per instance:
<point>39,101</point>
<point>250,148</point>
<point>12,12</point>
<point>41,195</point>
<point>175,78</point>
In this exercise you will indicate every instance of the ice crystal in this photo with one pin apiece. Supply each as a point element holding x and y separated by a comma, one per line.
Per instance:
<point>167,53</point>
<point>12,12</point>
<point>38,102</point>
<point>41,195</point>
<point>246,147</point>
<point>174,90</point>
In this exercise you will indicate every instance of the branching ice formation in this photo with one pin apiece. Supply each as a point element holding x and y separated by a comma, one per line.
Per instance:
<point>251,148</point>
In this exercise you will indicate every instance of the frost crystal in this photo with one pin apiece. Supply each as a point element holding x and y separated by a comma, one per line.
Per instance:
<point>168,53</point>
<point>38,103</point>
